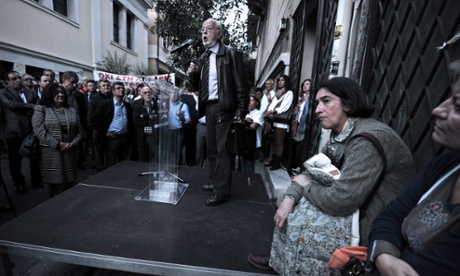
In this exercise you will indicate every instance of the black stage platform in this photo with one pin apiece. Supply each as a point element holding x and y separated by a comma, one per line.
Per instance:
<point>99,224</point>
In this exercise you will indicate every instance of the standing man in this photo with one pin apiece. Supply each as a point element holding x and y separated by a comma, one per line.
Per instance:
<point>42,82</point>
<point>105,92</point>
<point>28,82</point>
<point>219,76</point>
<point>178,116</point>
<point>17,110</point>
<point>50,73</point>
<point>267,95</point>
<point>113,123</point>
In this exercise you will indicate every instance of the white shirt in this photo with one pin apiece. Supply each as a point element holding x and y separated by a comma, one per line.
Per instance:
<point>264,102</point>
<point>213,93</point>
<point>286,101</point>
<point>258,117</point>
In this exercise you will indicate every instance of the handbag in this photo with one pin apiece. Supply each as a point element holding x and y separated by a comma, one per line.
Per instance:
<point>30,146</point>
<point>350,260</point>
<point>285,117</point>
<point>237,139</point>
<point>347,260</point>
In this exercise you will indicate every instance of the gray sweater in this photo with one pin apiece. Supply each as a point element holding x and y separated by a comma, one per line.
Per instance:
<point>360,169</point>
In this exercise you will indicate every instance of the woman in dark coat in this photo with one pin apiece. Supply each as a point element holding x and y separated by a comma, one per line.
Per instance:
<point>58,129</point>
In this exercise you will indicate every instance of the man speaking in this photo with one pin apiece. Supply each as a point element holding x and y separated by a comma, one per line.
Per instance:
<point>224,98</point>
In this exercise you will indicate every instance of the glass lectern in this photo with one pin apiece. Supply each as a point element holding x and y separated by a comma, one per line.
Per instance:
<point>164,184</point>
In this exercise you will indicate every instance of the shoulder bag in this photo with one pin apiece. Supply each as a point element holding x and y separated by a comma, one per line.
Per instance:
<point>285,117</point>
<point>30,147</point>
<point>350,260</point>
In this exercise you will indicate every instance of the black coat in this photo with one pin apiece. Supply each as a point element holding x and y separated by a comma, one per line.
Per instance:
<point>16,114</point>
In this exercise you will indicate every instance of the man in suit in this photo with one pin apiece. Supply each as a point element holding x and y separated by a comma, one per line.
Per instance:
<point>105,93</point>
<point>17,110</point>
<point>42,82</point>
<point>114,126</point>
<point>224,98</point>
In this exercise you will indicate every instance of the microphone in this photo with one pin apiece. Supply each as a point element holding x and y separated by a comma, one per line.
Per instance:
<point>182,46</point>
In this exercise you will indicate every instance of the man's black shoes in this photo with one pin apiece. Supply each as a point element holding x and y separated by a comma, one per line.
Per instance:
<point>216,199</point>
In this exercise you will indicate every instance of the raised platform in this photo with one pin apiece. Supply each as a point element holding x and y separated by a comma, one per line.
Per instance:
<point>99,224</point>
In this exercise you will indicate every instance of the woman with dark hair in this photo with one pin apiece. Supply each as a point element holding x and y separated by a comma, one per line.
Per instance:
<point>254,121</point>
<point>298,129</point>
<point>316,214</point>
<point>57,127</point>
<point>281,104</point>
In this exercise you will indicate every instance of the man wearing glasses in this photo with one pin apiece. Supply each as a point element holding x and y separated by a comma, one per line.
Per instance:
<point>224,97</point>
<point>17,110</point>
<point>113,123</point>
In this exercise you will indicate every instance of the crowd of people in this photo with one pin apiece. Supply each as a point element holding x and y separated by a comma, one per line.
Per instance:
<point>409,223</point>
<point>77,121</point>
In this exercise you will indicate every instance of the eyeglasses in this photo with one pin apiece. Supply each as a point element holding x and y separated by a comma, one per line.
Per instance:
<point>208,28</point>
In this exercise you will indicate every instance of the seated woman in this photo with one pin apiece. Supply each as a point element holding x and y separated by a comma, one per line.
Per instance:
<point>419,232</point>
<point>314,217</point>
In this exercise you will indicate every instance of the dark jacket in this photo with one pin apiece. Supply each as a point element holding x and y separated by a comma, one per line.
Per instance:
<point>16,114</point>
<point>103,116</point>
<point>232,86</point>
<point>440,257</point>
<point>142,118</point>
<point>96,99</point>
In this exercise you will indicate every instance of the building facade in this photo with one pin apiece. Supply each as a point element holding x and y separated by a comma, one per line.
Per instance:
<point>389,47</point>
<point>71,34</point>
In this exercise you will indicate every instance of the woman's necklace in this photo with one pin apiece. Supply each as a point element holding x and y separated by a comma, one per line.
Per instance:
<point>58,108</point>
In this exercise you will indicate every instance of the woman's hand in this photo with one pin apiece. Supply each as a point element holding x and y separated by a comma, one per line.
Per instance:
<point>389,265</point>
<point>286,207</point>
<point>64,146</point>
<point>302,180</point>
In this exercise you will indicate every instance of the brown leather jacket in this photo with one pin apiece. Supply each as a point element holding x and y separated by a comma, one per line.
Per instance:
<point>232,86</point>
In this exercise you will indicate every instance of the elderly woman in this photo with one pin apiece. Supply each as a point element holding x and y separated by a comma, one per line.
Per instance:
<point>314,217</point>
<point>419,232</point>
<point>57,127</point>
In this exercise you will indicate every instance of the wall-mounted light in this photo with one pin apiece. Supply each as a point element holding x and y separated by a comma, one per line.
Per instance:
<point>283,24</point>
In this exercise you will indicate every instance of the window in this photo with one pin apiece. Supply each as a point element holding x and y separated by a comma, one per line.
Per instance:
<point>129,24</point>
<point>60,6</point>
<point>116,36</point>
<point>124,26</point>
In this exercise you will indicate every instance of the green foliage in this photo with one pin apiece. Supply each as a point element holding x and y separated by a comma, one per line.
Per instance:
<point>180,20</point>
<point>115,64</point>
<point>142,69</point>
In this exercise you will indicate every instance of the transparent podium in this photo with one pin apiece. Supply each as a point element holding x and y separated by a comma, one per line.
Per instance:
<point>164,143</point>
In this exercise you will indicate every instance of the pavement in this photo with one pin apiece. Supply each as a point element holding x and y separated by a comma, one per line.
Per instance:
<point>276,183</point>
